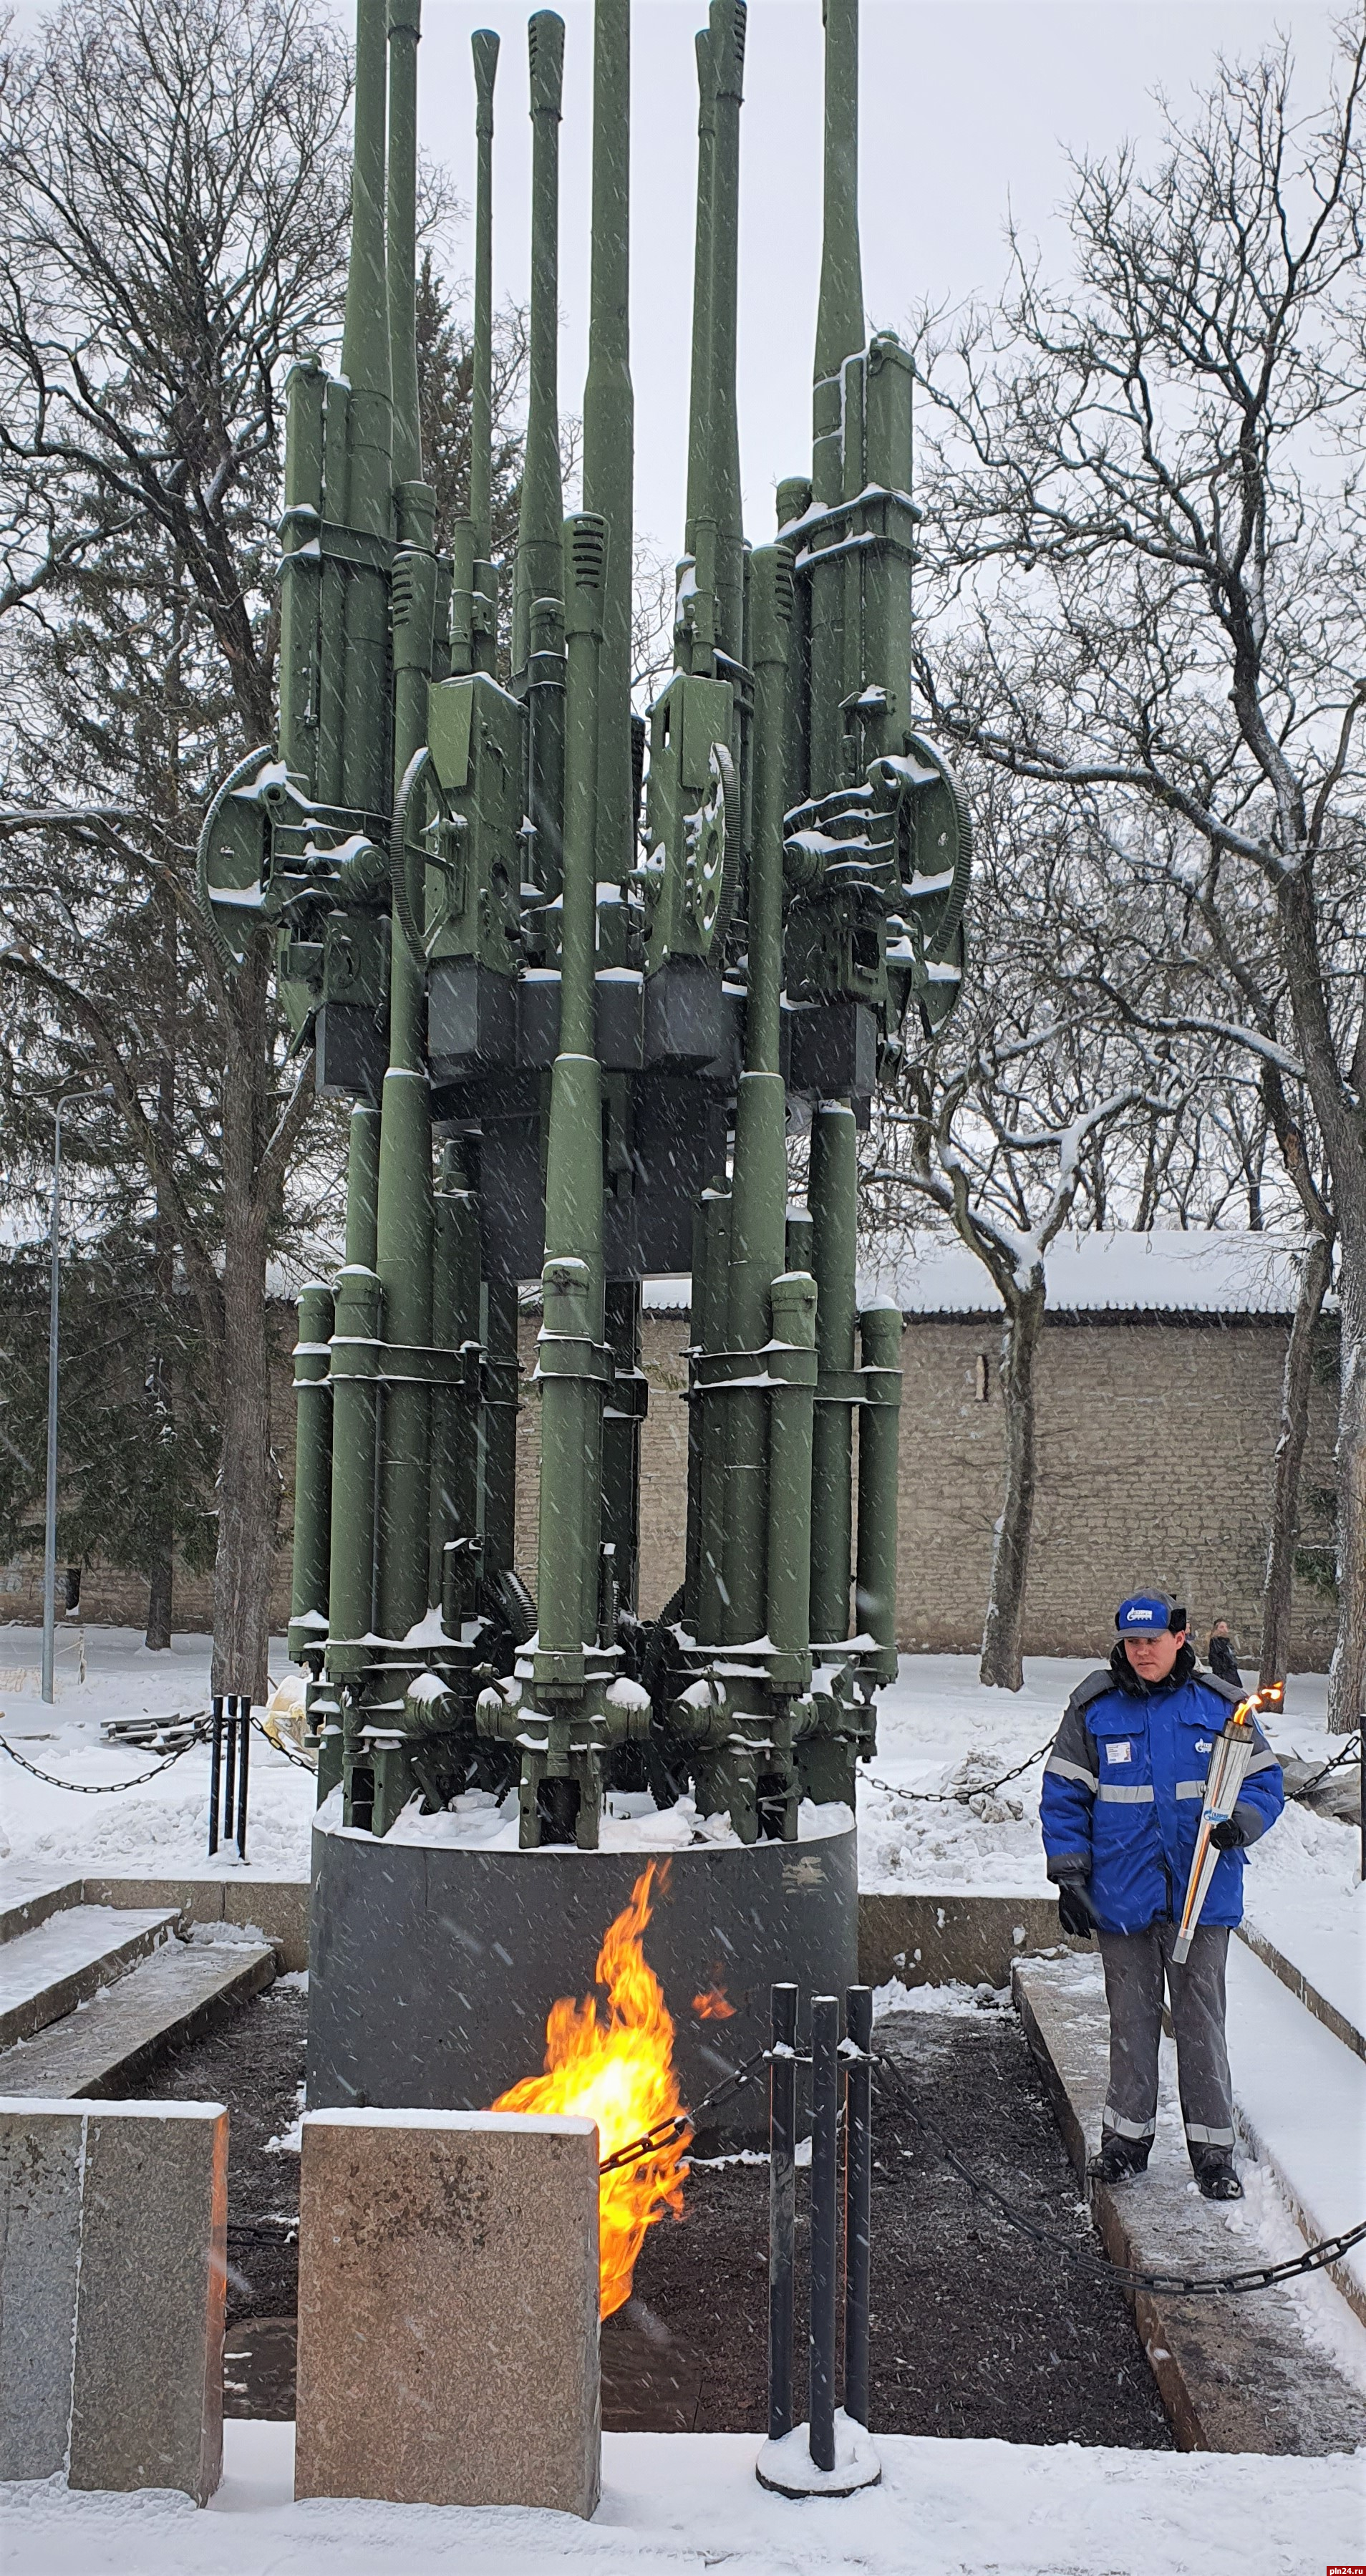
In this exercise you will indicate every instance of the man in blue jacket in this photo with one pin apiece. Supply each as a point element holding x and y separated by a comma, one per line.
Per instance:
<point>1122,1795</point>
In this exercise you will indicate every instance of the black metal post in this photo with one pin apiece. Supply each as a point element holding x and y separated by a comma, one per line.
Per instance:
<point>230,1768</point>
<point>244,1706</point>
<point>782,2207</point>
<point>858,2188</point>
<point>825,2074</point>
<point>215,1774</point>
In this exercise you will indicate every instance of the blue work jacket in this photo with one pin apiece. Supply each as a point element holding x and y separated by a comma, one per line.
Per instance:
<point>1123,1791</point>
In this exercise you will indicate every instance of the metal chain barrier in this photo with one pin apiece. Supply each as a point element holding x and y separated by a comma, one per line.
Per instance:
<point>1316,2258</point>
<point>1351,1751</point>
<point>114,1788</point>
<point>665,2131</point>
<point>276,1747</point>
<point>961,1797</point>
<point>1266,2276</point>
<point>988,1788</point>
<point>97,1788</point>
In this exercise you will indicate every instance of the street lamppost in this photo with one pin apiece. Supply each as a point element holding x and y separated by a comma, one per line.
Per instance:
<point>72,1099</point>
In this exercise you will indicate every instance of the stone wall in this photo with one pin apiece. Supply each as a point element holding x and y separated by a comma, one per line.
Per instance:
<point>1156,1443</point>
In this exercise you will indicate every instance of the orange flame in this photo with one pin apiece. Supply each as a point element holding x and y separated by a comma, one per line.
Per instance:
<point>1270,1698</point>
<point>713,2006</point>
<point>620,2073</point>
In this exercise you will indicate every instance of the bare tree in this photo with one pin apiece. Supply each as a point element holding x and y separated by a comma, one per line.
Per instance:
<point>1022,1113</point>
<point>1179,947</point>
<point>174,201</point>
<point>1149,590</point>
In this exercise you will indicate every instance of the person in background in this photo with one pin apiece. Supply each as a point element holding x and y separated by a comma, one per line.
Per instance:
<point>1123,1791</point>
<point>1222,1661</point>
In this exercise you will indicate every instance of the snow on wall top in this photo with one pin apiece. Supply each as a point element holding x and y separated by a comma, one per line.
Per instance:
<point>1163,1272</point>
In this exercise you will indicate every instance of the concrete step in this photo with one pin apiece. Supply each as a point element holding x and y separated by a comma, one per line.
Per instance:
<point>27,1898</point>
<point>1313,1944</point>
<point>181,1991</point>
<point>1234,2374</point>
<point>65,1960</point>
<point>1301,2101</point>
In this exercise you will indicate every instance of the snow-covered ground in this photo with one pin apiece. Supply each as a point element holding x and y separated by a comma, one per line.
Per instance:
<point>674,2504</point>
<point>938,1729</point>
<point>683,2502</point>
<point>161,1826</point>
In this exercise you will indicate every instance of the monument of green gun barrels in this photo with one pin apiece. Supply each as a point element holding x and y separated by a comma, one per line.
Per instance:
<point>584,974</point>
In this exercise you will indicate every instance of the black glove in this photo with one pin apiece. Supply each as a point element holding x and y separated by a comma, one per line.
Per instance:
<point>1230,1835</point>
<point>1076,1913</point>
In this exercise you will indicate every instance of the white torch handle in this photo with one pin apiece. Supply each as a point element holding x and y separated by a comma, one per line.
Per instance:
<point>1227,1772</point>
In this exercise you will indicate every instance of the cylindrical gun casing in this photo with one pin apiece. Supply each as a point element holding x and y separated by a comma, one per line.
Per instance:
<point>789,1462</point>
<point>301,572</point>
<point>833,1198</point>
<point>621,1440</point>
<point>484,46</point>
<point>879,1460</point>
<point>727,42</point>
<point>405,1270</point>
<point>709,1334</point>
<point>498,1425</point>
<point>355,1434</point>
<point>757,1221</point>
<point>455,1324</point>
<point>609,418</point>
<point>312,1472</point>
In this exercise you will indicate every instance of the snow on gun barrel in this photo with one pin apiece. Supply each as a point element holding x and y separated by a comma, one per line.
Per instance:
<point>1229,1763</point>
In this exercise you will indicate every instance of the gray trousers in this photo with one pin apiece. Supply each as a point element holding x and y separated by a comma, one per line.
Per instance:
<point>1135,1964</point>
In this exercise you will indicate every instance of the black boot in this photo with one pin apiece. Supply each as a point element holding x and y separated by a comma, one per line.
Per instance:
<point>1120,2159</point>
<point>1217,2177</point>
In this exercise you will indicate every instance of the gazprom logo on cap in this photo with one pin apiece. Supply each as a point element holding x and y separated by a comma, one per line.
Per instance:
<point>1141,1611</point>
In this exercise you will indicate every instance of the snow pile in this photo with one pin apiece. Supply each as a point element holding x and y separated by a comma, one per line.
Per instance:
<point>161,1827</point>
<point>952,2001</point>
<point>290,2141</point>
<point>630,1822</point>
<point>674,2503</point>
<point>939,1730</point>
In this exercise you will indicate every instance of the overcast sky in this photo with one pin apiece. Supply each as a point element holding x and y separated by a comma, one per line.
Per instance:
<point>967,109</point>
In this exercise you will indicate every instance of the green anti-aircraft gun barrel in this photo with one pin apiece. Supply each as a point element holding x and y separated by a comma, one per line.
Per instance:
<point>601,984</point>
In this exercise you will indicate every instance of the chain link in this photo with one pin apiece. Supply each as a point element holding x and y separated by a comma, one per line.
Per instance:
<point>1346,1755</point>
<point>1266,2276</point>
<point>961,1797</point>
<point>988,1788</point>
<point>98,1788</point>
<point>665,2131</point>
<point>300,1764</point>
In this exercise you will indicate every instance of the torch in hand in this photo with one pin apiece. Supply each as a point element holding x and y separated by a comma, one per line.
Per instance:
<point>1229,1763</point>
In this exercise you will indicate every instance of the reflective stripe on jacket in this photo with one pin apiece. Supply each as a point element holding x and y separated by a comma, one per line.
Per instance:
<point>1123,1791</point>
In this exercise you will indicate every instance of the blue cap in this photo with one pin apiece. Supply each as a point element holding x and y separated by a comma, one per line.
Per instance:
<point>1148,1614</point>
